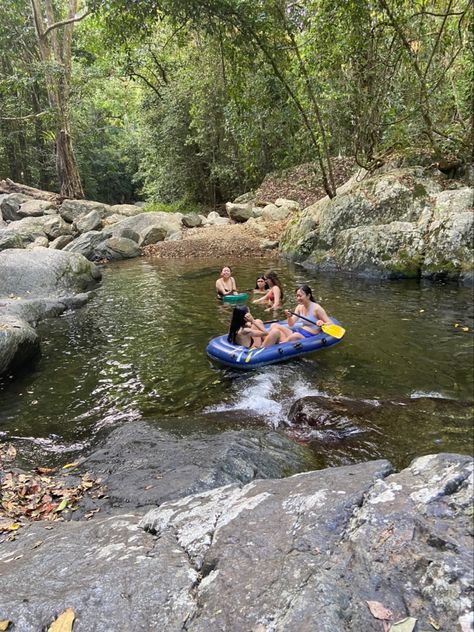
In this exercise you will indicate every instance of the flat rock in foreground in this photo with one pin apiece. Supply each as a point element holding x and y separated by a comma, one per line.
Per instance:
<point>302,553</point>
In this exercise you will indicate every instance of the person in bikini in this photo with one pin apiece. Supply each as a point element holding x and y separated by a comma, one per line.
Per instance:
<point>261,286</point>
<point>247,331</point>
<point>297,328</point>
<point>274,296</point>
<point>225,284</point>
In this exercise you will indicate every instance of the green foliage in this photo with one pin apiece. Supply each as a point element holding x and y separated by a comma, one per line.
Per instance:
<point>197,100</point>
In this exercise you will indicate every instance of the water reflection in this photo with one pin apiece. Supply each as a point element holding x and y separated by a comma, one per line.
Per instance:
<point>137,351</point>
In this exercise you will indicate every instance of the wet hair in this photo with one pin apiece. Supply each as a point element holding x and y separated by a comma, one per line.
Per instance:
<point>237,321</point>
<point>261,276</point>
<point>273,277</point>
<point>307,290</point>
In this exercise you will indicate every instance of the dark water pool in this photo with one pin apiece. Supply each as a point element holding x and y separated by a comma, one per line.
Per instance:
<point>137,351</point>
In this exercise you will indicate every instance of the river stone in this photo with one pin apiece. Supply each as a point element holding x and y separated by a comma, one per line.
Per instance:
<point>127,233</point>
<point>239,212</point>
<point>166,223</point>
<point>191,220</point>
<point>71,210</point>
<point>245,198</point>
<point>45,272</point>
<point>126,210</point>
<point>113,219</point>
<point>274,213</point>
<point>10,205</point>
<point>39,242</point>
<point>289,204</point>
<point>19,343</point>
<point>27,229</point>
<point>88,222</point>
<point>117,248</point>
<point>60,242</point>
<point>86,244</point>
<point>151,235</point>
<point>142,466</point>
<point>10,240</point>
<point>34,208</point>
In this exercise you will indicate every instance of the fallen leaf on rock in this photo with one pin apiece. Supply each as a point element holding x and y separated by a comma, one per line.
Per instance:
<point>45,470</point>
<point>64,622</point>
<point>37,544</point>
<point>404,625</point>
<point>434,624</point>
<point>379,611</point>
<point>62,505</point>
<point>69,465</point>
<point>4,625</point>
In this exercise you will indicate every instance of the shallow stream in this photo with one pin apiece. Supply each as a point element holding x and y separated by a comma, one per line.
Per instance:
<point>137,350</point>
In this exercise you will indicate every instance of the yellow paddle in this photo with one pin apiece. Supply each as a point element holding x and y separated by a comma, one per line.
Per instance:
<point>336,331</point>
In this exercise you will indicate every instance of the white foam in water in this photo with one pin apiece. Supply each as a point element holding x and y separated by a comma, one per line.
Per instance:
<point>269,395</point>
<point>418,394</point>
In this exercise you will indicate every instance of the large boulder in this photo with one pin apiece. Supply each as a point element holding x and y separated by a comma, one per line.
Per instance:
<point>300,553</point>
<point>10,205</point>
<point>45,272</point>
<point>394,224</point>
<point>35,208</point>
<point>116,248</point>
<point>19,343</point>
<point>86,223</point>
<point>24,231</point>
<point>239,212</point>
<point>126,210</point>
<point>55,227</point>
<point>165,224</point>
<point>86,244</point>
<point>71,210</point>
<point>191,220</point>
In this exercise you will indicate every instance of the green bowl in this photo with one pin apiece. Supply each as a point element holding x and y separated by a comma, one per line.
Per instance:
<point>235,298</point>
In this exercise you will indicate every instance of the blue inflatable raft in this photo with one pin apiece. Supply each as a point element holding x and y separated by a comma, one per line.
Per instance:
<point>221,351</point>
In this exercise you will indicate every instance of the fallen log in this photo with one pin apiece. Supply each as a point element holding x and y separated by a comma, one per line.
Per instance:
<point>8,186</point>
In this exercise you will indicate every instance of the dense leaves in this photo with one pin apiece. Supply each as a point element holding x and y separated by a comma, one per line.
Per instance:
<point>197,100</point>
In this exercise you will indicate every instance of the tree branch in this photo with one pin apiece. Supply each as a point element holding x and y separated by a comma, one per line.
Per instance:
<point>56,25</point>
<point>23,118</point>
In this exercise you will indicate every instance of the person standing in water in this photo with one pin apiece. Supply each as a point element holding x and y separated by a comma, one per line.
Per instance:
<point>274,296</point>
<point>225,284</point>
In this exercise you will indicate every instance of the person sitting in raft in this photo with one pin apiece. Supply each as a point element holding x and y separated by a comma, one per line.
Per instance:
<point>261,286</point>
<point>274,296</point>
<point>225,284</point>
<point>247,331</point>
<point>297,328</point>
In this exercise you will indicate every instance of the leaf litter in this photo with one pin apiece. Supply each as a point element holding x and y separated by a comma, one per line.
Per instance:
<point>38,495</point>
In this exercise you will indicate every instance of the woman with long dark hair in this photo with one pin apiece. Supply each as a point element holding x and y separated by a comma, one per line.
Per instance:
<point>274,296</point>
<point>244,329</point>
<point>261,286</point>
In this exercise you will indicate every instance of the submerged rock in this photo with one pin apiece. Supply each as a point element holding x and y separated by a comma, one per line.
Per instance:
<point>143,466</point>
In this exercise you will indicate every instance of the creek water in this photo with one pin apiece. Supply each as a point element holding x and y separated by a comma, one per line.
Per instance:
<point>137,350</point>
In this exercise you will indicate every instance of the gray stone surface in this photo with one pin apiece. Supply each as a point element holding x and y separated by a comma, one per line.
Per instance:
<point>191,220</point>
<point>71,210</point>
<point>239,212</point>
<point>86,244</point>
<point>34,208</point>
<point>10,205</point>
<point>117,248</point>
<point>19,343</point>
<point>301,553</point>
<point>88,222</point>
<point>60,242</point>
<point>399,223</point>
<point>143,466</point>
<point>45,273</point>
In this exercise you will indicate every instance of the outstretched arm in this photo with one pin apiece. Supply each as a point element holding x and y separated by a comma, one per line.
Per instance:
<point>323,318</point>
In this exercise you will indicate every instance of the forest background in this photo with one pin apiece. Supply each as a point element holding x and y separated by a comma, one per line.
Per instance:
<point>189,103</point>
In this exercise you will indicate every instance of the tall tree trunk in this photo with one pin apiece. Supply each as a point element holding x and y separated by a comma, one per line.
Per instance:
<point>57,85</point>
